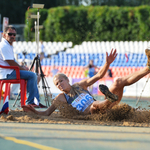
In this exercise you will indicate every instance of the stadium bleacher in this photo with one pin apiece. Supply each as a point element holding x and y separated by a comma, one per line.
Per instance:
<point>71,60</point>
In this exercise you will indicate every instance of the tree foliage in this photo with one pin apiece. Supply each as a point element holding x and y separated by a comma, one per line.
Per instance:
<point>95,23</point>
<point>15,9</point>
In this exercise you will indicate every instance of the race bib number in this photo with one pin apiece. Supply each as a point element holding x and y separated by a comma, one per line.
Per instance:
<point>82,101</point>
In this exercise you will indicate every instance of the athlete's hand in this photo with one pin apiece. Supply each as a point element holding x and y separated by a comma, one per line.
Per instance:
<point>112,56</point>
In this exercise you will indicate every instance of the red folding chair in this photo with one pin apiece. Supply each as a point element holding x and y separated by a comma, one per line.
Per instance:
<point>8,82</point>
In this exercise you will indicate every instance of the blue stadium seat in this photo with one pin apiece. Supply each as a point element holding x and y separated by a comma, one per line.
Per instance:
<point>32,55</point>
<point>20,56</point>
<point>44,62</point>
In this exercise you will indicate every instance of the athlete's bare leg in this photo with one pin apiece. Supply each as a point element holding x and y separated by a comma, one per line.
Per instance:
<point>120,83</point>
<point>117,87</point>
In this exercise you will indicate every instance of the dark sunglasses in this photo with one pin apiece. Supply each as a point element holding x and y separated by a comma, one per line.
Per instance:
<point>10,34</point>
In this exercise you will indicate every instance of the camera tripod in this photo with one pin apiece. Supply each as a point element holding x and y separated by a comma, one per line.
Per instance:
<point>46,89</point>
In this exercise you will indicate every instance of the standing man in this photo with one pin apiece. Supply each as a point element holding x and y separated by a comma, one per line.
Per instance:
<point>91,72</point>
<point>7,59</point>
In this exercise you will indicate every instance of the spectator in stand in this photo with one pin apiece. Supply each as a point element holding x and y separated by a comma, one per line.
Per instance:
<point>41,56</point>
<point>108,74</point>
<point>91,72</point>
<point>54,70</point>
<point>42,47</point>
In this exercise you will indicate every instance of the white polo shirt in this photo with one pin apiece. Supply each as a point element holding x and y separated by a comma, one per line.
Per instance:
<point>6,53</point>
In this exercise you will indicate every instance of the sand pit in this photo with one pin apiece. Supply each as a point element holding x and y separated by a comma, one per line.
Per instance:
<point>120,115</point>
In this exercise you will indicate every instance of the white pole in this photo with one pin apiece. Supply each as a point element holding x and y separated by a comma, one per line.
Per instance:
<point>38,16</point>
<point>35,32</point>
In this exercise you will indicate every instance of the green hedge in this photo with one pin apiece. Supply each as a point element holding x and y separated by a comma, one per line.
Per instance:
<point>93,23</point>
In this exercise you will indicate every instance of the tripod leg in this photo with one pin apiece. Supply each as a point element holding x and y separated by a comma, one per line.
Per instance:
<point>16,99</point>
<point>45,92</point>
<point>33,63</point>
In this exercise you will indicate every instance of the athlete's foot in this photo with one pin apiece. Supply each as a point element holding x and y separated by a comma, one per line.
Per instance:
<point>147,52</point>
<point>110,96</point>
<point>28,108</point>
